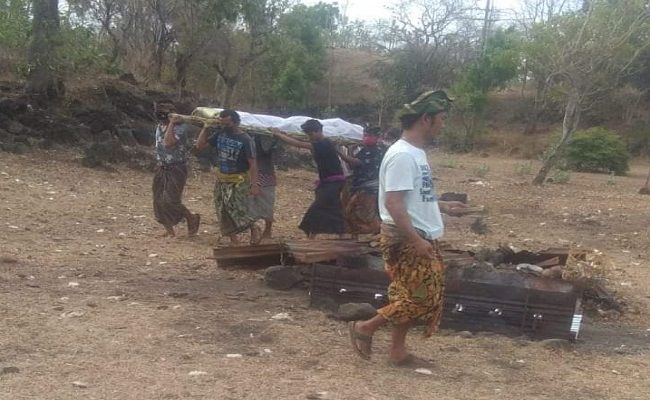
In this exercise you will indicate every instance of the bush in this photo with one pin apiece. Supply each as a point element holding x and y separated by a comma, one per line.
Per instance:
<point>481,171</point>
<point>597,150</point>
<point>638,139</point>
<point>560,177</point>
<point>524,169</point>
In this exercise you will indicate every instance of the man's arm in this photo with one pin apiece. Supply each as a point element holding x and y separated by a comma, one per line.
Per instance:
<point>202,141</point>
<point>170,138</point>
<point>352,161</point>
<point>396,207</point>
<point>253,176</point>
<point>289,140</point>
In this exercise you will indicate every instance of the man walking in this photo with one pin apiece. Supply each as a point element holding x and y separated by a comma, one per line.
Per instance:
<point>171,172</point>
<point>262,206</point>
<point>236,176</point>
<point>325,214</point>
<point>411,225</point>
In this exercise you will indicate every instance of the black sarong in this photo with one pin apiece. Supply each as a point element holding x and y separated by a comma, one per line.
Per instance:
<point>168,185</point>
<point>325,214</point>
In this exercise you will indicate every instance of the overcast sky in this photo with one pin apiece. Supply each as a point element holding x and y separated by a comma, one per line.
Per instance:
<point>376,9</point>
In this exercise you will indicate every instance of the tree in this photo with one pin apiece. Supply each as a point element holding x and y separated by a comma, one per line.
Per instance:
<point>589,54</point>
<point>243,43</point>
<point>296,58</point>
<point>496,67</point>
<point>43,79</point>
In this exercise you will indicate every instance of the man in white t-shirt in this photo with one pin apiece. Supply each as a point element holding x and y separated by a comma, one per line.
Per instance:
<point>411,225</point>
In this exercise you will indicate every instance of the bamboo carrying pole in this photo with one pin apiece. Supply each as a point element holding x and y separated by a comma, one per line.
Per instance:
<point>253,130</point>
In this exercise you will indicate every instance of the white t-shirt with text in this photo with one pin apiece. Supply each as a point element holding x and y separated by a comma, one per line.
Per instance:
<point>405,168</point>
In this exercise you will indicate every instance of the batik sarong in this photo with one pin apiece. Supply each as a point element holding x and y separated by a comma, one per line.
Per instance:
<point>231,193</point>
<point>417,283</point>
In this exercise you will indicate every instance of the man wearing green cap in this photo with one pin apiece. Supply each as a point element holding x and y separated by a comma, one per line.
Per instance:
<point>411,225</point>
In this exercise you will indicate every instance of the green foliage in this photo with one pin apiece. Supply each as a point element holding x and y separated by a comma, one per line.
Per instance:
<point>80,51</point>
<point>449,162</point>
<point>524,169</point>
<point>597,150</point>
<point>497,66</point>
<point>481,171</point>
<point>15,24</point>
<point>297,55</point>
<point>560,177</point>
<point>638,139</point>
<point>494,69</point>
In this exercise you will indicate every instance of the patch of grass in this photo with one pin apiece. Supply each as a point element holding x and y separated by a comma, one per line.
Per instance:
<point>560,177</point>
<point>610,180</point>
<point>524,169</point>
<point>448,162</point>
<point>481,171</point>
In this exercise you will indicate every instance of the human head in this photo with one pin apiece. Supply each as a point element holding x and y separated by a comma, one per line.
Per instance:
<point>313,128</point>
<point>371,135</point>
<point>229,119</point>
<point>427,113</point>
<point>162,108</point>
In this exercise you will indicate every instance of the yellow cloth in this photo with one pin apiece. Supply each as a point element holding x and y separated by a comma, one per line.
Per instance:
<point>232,178</point>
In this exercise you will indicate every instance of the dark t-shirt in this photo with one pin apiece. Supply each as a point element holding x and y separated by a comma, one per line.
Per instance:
<point>233,151</point>
<point>327,159</point>
<point>370,157</point>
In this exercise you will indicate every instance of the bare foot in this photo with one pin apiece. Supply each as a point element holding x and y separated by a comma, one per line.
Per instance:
<point>169,232</point>
<point>256,235</point>
<point>193,222</point>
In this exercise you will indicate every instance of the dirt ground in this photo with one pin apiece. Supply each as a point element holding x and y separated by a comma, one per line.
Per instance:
<point>94,306</point>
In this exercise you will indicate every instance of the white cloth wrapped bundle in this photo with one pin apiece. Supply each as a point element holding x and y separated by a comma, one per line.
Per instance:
<point>333,127</point>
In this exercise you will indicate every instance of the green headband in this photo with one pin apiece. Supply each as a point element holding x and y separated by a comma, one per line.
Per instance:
<point>431,102</point>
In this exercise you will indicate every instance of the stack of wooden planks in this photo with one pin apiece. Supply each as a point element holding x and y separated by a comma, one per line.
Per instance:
<point>294,251</point>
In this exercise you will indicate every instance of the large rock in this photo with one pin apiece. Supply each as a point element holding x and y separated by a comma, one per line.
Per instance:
<point>126,136</point>
<point>99,154</point>
<point>453,196</point>
<point>145,137</point>
<point>16,127</point>
<point>282,277</point>
<point>13,106</point>
<point>356,311</point>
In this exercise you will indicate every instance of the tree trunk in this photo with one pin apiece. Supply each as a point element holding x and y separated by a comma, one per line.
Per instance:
<point>570,124</point>
<point>230,91</point>
<point>43,80</point>
<point>183,61</point>
<point>531,125</point>
<point>646,188</point>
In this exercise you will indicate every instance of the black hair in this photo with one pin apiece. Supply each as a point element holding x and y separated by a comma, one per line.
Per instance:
<point>164,101</point>
<point>372,130</point>
<point>409,120</point>
<point>312,126</point>
<point>234,116</point>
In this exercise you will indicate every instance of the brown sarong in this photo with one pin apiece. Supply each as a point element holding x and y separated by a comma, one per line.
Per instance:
<point>360,213</point>
<point>168,184</point>
<point>417,283</point>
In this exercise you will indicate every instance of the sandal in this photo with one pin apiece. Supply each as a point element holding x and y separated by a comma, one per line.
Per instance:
<point>356,337</point>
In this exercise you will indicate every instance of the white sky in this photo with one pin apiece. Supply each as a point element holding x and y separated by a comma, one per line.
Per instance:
<point>375,9</point>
